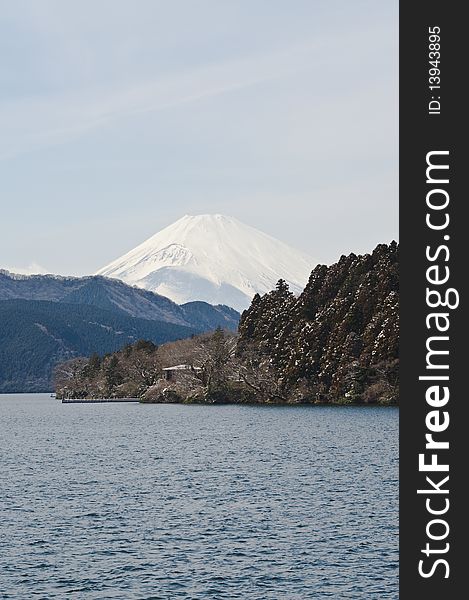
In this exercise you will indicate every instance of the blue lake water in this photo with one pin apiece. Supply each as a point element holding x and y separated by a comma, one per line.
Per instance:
<point>175,502</point>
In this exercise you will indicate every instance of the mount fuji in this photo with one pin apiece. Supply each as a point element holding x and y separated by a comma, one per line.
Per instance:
<point>213,258</point>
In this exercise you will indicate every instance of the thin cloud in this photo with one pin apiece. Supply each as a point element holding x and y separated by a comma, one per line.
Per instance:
<point>42,122</point>
<point>33,269</point>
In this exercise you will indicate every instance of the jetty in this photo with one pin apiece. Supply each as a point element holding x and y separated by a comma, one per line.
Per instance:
<point>97,400</point>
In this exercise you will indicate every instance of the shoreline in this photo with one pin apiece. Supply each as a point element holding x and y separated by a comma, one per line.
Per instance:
<point>267,404</point>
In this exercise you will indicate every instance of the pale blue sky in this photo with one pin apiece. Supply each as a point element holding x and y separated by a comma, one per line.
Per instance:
<point>117,117</point>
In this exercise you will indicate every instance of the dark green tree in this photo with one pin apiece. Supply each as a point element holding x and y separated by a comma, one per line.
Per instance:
<point>112,375</point>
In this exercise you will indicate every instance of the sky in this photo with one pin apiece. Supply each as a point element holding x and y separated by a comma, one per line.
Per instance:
<point>119,117</point>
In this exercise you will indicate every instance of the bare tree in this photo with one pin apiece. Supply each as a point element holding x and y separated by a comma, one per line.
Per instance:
<point>260,376</point>
<point>68,377</point>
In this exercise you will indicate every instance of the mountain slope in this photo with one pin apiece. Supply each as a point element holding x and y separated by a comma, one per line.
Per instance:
<point>114,295</point>
<point>36,335</point>
<point>46,319</point>
<point>339,341</point>
<point>211,258</point>
<point>208,320</point>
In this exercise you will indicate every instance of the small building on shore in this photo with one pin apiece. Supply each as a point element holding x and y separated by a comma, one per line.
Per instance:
<point>178,371</point>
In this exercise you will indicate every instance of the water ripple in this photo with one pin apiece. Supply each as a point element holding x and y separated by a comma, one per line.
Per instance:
<point>167,502</point>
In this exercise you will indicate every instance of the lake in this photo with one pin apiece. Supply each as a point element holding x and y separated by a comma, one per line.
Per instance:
<point>172,502</point>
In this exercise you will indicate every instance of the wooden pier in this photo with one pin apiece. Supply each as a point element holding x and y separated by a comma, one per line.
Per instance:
<point>96,400</point>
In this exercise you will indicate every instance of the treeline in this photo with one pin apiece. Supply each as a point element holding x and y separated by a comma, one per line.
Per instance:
<point>335,343</point>
<point>206,371</point>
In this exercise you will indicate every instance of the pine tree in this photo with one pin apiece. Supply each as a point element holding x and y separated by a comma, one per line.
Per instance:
<point>112,375</point>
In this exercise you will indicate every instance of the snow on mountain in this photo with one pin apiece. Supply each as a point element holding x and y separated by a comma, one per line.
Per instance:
<point>213,258</point>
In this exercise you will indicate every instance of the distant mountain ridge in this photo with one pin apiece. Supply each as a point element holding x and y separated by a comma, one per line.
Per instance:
<point>35,335</point>
<point>112,294</point>
<point>45,319</point>
<point>211,258</point>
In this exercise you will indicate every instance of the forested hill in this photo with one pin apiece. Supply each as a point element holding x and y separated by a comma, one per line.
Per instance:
<point>116,296</point>
<point>339,339</point>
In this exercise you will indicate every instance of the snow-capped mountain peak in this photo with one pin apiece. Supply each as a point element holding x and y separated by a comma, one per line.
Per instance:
<point>214,258</point>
